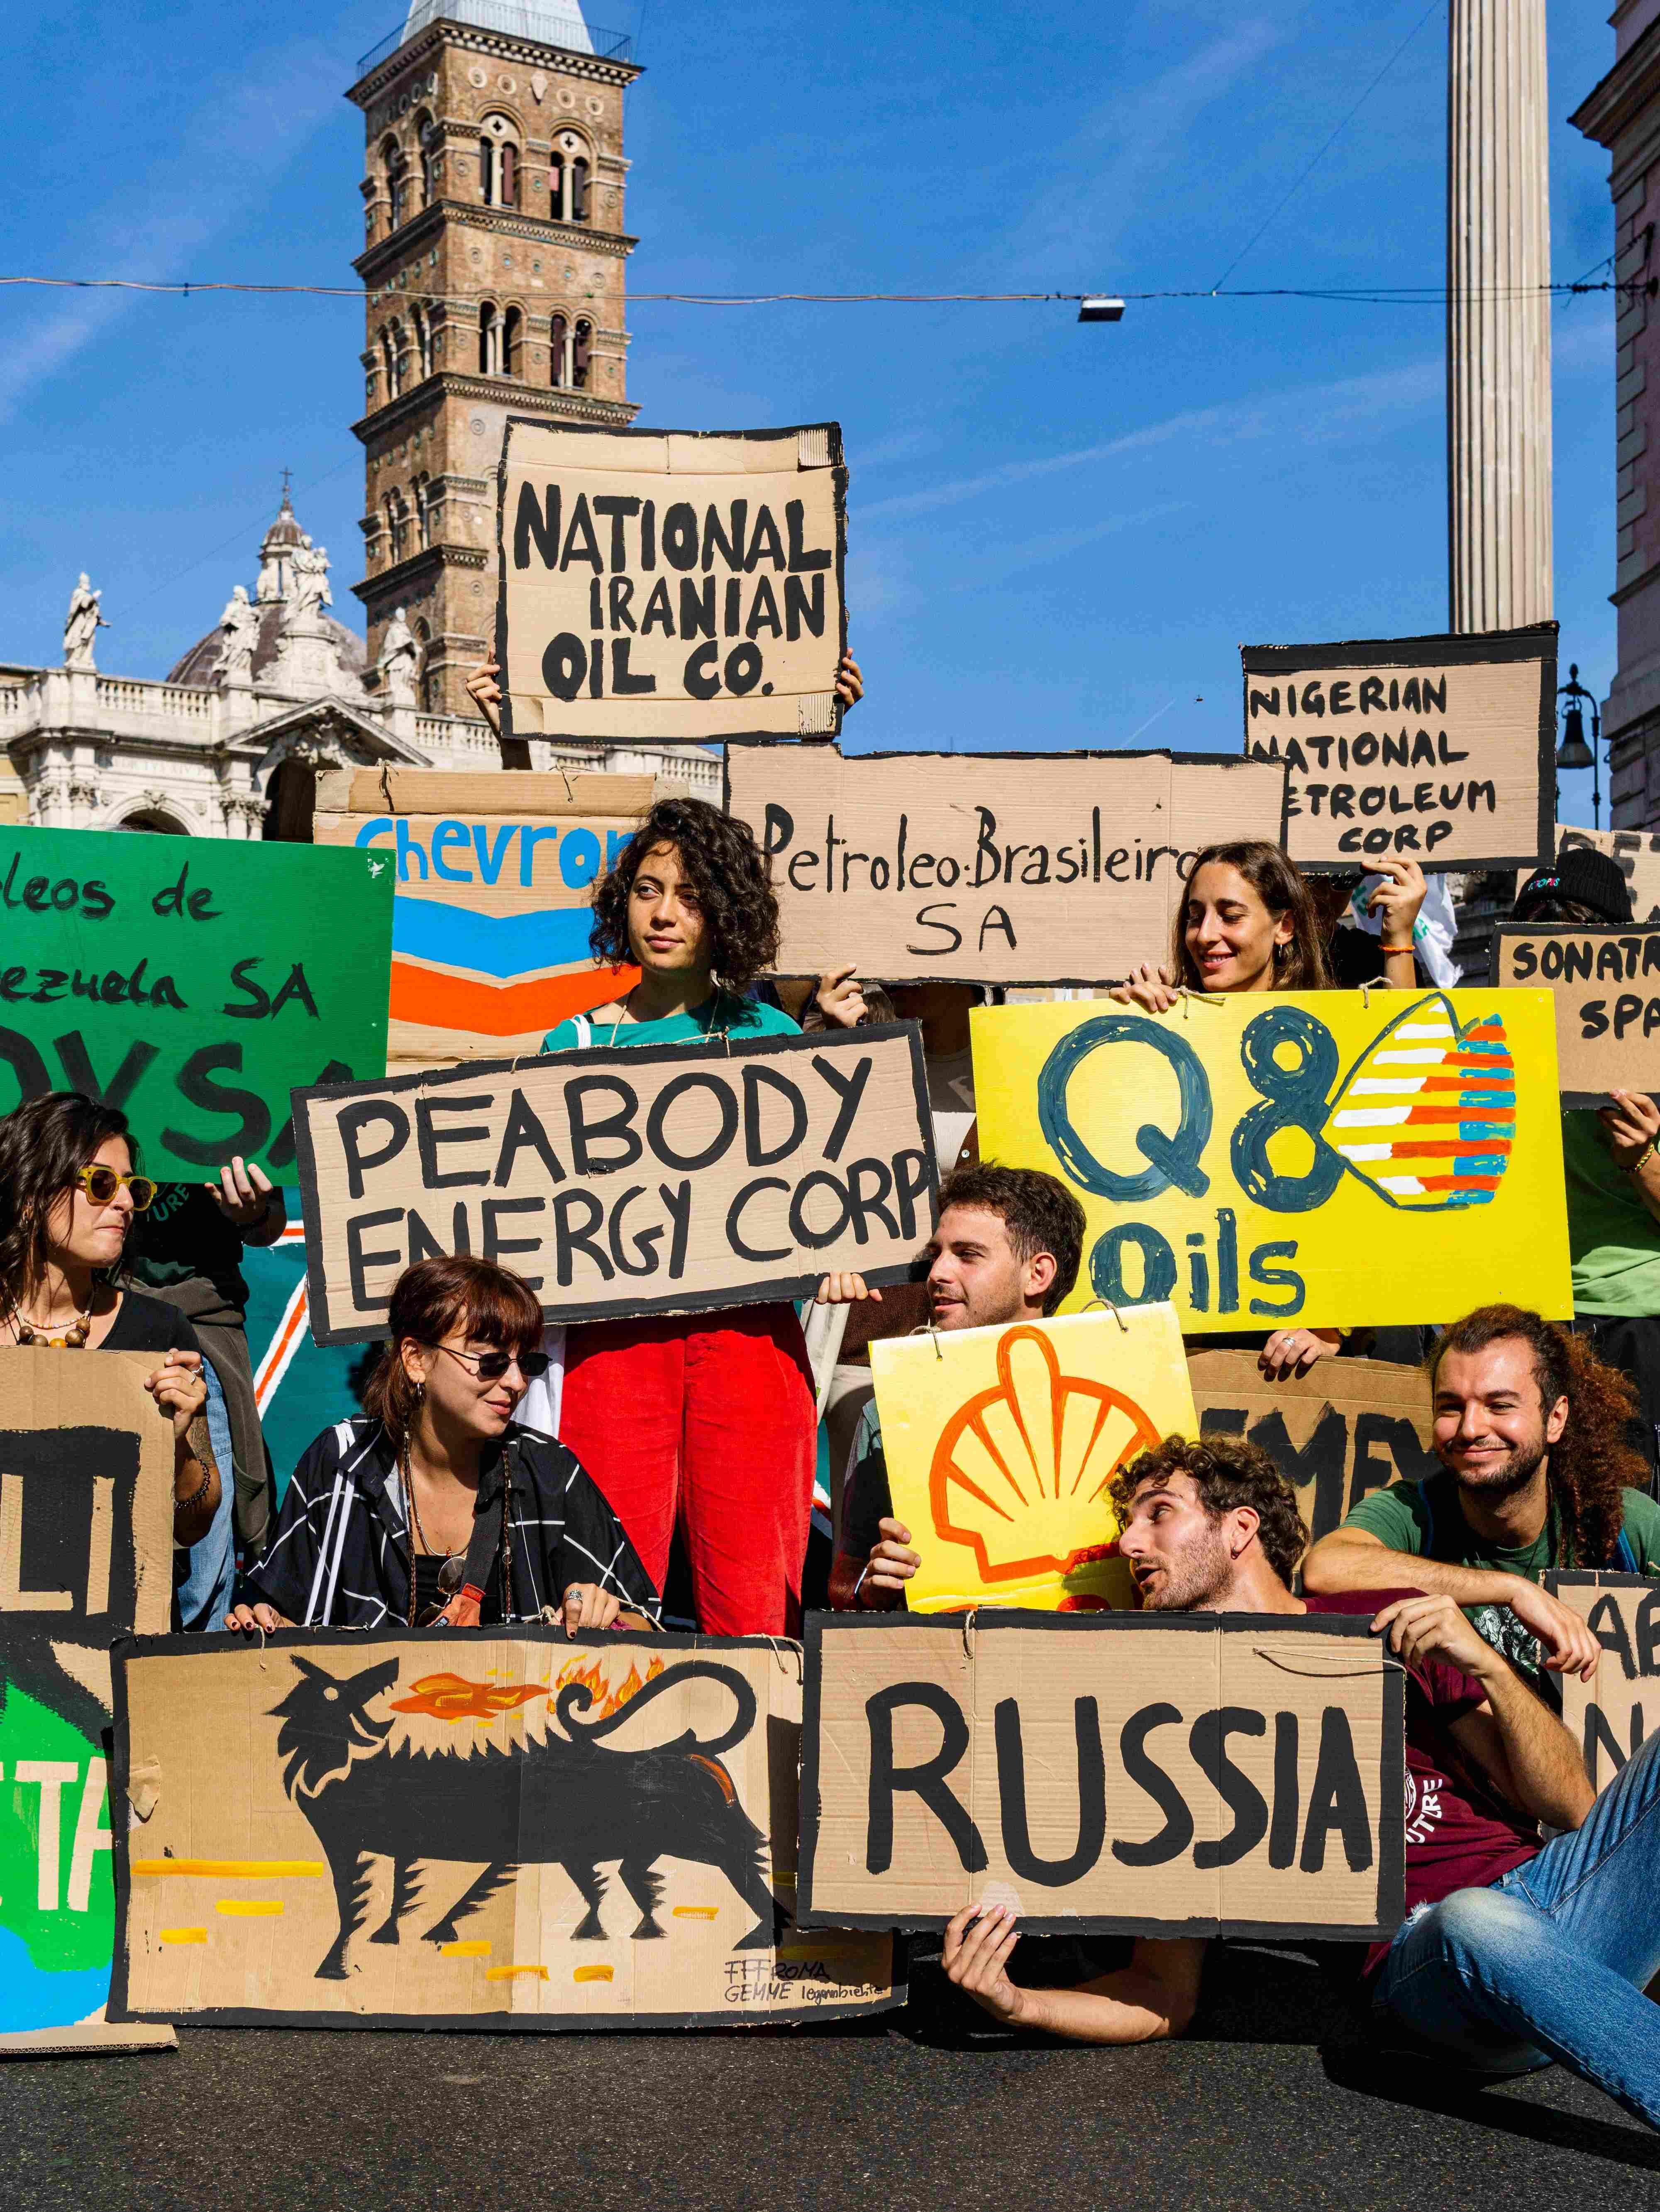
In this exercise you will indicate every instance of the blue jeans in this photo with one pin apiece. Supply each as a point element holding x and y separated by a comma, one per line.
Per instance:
<point>1551,1961</point>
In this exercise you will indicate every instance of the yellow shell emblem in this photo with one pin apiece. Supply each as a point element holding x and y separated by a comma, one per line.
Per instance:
<point>1012,1463</point>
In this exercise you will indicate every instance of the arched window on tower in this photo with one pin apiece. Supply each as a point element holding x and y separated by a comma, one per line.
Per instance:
<point>498,161</point>
<point>423,489</point>
<point>568,170</point>
<point>398,525</point>
<point>426,678</point>
<point>512,327</point>
<point>559,350</point>
<point>423,333</point>
<point>582,343</point>
<point>427,144</point>
<point>489,340</point>
<point>391,357</point>
<point>397,182</point>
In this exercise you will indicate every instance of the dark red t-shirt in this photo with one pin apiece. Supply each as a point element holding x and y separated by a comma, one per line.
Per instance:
<point>1459,1835</point>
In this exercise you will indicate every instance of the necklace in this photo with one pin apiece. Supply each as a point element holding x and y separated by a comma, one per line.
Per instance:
<point>71,1340</point>
<point>449,1574</point>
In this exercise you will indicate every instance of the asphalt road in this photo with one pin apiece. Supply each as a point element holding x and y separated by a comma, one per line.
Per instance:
<point>1273,2101</point>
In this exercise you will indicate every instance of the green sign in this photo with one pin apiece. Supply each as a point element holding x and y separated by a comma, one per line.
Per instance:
<point>193,982</point>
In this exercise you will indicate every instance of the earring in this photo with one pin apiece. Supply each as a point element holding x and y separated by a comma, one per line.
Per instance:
<point>420,1393</point>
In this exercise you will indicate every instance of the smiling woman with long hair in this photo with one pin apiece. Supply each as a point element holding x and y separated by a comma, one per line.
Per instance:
<point>436,1504</point>
<point>70,1189</point>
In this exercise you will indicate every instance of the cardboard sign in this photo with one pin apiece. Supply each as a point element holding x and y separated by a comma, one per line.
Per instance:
<point>1001,1445</point>
<point>1040,868</point>
<point>191,982</point>
<point>1197,1774</point>
<point>86,1555</point>
<point>1346,1427</point>
<point>1328,1158</point>
<point>670,583</point>
<point>1605,983</point>
<point>407,1828</point>
<point>1614,1714</point>
<point>660,1179</point>
<point>1437,749</point>
<point>495,878</point>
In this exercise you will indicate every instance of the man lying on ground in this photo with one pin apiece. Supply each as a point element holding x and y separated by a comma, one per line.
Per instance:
<point>1509,1955</point>
<point>1006,1250</point>
<point>1530,1431</point>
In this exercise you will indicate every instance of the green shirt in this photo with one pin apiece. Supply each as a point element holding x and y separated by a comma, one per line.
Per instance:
<point>1402,1517</point>
<point>1614,1240</point>
<point>721,1014</point>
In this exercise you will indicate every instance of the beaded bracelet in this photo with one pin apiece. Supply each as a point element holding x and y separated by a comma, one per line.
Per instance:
<point>1634,1167</point>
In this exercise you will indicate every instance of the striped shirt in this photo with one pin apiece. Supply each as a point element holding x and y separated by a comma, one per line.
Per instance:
<point>338,1556</point>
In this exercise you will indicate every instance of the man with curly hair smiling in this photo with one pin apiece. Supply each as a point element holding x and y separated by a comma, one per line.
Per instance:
<point>708,1421</point>
<point>1509,1954</point>
<point>1530,1430</point>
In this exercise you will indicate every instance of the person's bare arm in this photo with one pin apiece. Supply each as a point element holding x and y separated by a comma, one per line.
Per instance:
<point>1632,1127</point>
<point>1355,1560</point>
<point>1512,1735</point>
<point>1152,1998</point>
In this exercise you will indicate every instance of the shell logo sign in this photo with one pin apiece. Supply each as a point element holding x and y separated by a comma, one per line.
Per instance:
<point>1001,1445</point>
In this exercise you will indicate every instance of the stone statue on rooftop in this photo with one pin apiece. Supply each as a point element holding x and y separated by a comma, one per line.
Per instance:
<point>82,625</point>
<point>241,624</point>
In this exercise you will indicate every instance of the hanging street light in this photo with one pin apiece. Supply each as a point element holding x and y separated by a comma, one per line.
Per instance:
<point>1573,752</point>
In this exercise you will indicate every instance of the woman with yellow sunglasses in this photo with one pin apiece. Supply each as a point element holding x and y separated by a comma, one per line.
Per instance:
<point>69,1191</point>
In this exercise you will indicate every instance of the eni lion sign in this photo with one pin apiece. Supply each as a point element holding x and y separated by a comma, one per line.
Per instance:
<point>1329,1159</point>
<point>1002,1443</point>
<point>408,1829</point>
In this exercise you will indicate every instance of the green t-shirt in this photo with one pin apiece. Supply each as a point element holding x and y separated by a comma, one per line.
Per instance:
<point>1402,1517</point>
<point>1614,1240</point>
<point>721,1013</point>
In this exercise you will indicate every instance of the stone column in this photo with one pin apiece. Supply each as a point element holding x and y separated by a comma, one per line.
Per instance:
<point>1499,423</point>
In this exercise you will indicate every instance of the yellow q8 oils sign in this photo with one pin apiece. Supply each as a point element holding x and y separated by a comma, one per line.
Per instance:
<point>1320,1160</point>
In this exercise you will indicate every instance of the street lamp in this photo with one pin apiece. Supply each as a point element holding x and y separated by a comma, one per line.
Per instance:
<point>1574,752</point>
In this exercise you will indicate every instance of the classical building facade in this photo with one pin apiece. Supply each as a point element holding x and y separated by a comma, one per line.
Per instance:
<point>494,205</point>
<point>494,262</point>
<point>1623,114</point>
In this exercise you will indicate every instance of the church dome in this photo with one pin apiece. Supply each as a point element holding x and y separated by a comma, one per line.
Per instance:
<point>199,667</point>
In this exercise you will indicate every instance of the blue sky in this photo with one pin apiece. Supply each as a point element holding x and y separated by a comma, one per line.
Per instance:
<point>1059,535</point>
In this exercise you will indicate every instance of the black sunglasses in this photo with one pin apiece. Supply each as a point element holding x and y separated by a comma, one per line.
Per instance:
<point>491,1366</point>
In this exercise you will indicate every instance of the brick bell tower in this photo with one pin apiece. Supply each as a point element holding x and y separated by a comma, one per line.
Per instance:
<point>493,266</point>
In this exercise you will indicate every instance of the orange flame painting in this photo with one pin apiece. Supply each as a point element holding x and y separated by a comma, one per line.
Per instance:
<point>453,1698</point>
<point>591,1675</point>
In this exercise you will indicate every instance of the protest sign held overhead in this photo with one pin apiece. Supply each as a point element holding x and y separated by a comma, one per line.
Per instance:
<point>671,583</point>
<point>1346,1427</point>
<point>495,876</point>
<point>1328,1158</point>
<point>1038,868</point>
<point>1439,750</point>
<point>86,1555</point>
<point>1195,1774</point>
<point>1001,1445</point>
<point>193,982</point>
<point>1612,1715</point>
<point>406,1829</point>
<point>660,1179</point>
<point>1605,983</point>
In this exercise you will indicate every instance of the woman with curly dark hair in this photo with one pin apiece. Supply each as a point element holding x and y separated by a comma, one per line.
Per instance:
<point>708,1420</point>
<point>1530,1431</point>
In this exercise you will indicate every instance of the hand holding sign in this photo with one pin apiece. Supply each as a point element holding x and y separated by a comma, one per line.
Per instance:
<point>1633,1126</point>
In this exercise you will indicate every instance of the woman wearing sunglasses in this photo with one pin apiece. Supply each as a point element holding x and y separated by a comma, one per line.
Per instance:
<point>435,1504</point>
<point>69,1191</point>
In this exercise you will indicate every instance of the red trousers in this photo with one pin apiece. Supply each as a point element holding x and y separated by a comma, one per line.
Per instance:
<point>708,1420</point>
